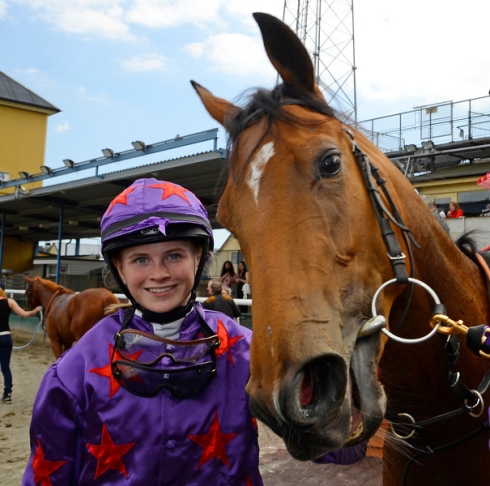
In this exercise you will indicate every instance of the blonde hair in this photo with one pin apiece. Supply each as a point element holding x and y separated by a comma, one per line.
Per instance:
<point>3,294</point>
<point>226,290</point>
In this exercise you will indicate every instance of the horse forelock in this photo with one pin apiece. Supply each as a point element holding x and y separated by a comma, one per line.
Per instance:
<point>267,103</point>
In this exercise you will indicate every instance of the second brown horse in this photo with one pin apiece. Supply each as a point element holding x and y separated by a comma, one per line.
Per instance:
<point>68,315</point>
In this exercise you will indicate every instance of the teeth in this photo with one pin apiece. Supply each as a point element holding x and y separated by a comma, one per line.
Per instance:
<point>158,291</point>
<point>356,434</point>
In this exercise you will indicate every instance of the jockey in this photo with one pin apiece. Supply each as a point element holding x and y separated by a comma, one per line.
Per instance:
<point>155,392</point>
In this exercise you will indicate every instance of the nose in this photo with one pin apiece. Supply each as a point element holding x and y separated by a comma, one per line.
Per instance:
<point>160,271</point>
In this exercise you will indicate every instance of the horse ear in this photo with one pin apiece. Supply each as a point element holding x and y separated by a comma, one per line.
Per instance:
<point>287,53</point>
<point>220,109</point>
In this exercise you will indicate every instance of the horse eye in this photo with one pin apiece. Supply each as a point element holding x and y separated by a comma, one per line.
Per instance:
<point>329,165</point>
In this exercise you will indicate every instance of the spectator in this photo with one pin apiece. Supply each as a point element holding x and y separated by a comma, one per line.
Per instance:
<point>454,210</point>
<point>241,279</point>
<point>220,302</point>
<point>435,211</point>
<point>227,277</point>
<point>486,211</point>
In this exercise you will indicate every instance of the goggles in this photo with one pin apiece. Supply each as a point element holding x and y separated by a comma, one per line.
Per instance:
<point>144,364</point>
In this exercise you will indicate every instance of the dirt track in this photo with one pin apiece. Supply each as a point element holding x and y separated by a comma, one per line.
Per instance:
<point>276,465</point>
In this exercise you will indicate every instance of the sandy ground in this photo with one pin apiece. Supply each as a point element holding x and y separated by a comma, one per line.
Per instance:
<point>277,467</point>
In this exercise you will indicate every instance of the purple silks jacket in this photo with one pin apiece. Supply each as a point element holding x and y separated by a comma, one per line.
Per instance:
<point>86,429</point>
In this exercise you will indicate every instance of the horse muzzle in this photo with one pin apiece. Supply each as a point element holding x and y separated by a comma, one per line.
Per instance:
<point>325,404</point>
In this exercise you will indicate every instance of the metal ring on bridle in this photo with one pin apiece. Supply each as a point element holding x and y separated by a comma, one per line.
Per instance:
<point>479,401</point>
<point>396,434</point>
<point>393,336</point>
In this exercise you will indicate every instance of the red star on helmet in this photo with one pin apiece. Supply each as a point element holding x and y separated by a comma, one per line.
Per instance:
<point>122,198</point>
<point>213,443</point>
<point>42,467</point>
<point>226,342</point>
<point>170,189</point>
<point>108,454</point>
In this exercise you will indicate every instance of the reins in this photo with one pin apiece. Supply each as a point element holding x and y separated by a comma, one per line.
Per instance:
<point>36,330</point>
<point>478,337</point>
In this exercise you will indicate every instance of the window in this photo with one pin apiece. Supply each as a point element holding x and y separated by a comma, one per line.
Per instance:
<point>472,203</point>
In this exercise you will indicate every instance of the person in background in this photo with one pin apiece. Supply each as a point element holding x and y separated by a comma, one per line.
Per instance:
<point>225,291</point>
<point>227,276</point>
<point>154,393</point>
<point>219,301</point>
<point>454,210</point>
<point>6,345</point>
<point>486,211</point>
<point>435,211</point>
<point>242,278</point>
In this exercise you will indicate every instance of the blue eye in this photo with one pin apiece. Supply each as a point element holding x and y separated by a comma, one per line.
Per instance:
<point>329,165</point>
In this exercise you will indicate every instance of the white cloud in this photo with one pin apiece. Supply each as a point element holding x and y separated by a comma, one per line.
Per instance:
<point>97,18</point>
<point>196,50</point>
<point>425,51</point>
<point>3,9</point>
<point>236,54</point>
<point>144,63</point>
<point>99,98</point>
<point>62,127</point>
<point>170,13</point>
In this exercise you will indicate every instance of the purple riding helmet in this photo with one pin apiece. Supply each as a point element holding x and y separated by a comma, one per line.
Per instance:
<point>150,211</point>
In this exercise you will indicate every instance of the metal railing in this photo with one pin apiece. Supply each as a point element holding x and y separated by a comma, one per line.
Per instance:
<point>440,122</point>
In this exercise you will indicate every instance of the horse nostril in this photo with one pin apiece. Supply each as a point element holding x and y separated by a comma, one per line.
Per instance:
<point>323,381</point>
<point>306,392</point>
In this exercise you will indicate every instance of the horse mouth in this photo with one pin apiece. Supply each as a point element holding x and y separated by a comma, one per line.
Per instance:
<point>326,405</point>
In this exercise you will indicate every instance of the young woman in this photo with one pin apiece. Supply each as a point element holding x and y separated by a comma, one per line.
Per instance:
<point>155,393</point>
<point>454,210</point>
<point>241,279</point>
<point>227,277</point>
<point>6,306</point>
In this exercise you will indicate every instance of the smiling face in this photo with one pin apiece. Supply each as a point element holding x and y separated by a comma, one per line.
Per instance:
<point>159,276</point>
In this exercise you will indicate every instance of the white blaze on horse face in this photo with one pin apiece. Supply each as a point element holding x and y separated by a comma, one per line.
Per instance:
<point>257,167</point>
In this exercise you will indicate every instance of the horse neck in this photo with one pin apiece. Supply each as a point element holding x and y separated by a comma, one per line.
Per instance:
<point>454,276</point>
<point>45,294</point>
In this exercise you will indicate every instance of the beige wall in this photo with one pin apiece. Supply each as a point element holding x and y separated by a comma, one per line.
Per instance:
<point>448,188</point>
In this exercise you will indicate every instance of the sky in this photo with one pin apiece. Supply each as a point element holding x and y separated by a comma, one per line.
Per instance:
<point>119,70</point>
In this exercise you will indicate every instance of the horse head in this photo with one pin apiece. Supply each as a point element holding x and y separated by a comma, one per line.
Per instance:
<point>32,299</point>
<point>297,197</point>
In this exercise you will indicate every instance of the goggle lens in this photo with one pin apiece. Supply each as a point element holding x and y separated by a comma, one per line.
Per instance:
<point>144,348</point>
<point>143,381</point>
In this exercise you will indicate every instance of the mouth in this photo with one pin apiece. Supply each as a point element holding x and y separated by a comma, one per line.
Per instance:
<point>160,290</point>
<point>327,405</point>
<point>357,424</point>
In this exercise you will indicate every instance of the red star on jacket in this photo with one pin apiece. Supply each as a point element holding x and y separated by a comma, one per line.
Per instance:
<point>170,189</point>
<point>226,342</point>
<point>121,199</point>
<point>108,454</point>
<point>213,443</point>
<point>106,370</point>
<point>43,468</point>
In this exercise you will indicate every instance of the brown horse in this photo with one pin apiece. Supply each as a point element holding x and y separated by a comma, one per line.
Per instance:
<point>339,244</point>
<point>68,315</point>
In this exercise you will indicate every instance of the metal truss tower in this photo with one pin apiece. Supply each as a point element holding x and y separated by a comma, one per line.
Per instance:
<point>326,28</point>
